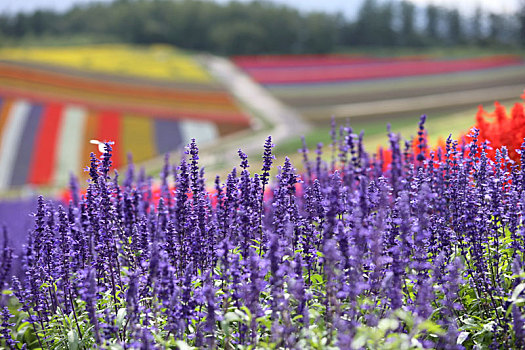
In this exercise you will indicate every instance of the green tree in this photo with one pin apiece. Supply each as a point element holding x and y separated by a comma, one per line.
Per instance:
<point>21,25</point>
<point>521,23</point>
<point>408,34</point>
<point>433,19</point>
<point>238,37</point>
<point>364,27</point>
<point>455,33</point>
<point>260,26</point>
<point>477,26</point>
<point>495,27</point>
<point>320,36</point>
<point>374,24</point>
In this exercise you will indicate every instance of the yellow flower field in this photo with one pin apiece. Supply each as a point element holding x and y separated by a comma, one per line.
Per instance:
<point>157,61</point>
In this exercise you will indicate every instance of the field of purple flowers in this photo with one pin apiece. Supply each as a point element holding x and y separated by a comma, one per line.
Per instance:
<point>423,251</point>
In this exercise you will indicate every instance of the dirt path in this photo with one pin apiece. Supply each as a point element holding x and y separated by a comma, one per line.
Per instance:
<point>271,117</point>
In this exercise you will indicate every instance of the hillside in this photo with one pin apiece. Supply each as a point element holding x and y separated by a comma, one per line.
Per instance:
<point>149,100</point>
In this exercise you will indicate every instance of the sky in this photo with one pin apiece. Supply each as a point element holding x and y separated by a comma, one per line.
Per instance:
<point>348,7</point>
<point>499,6</point>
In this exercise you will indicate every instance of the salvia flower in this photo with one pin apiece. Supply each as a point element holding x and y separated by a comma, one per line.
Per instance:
<point>427,245</point>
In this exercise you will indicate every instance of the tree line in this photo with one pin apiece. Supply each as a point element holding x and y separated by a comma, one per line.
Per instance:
<point>264,27</point>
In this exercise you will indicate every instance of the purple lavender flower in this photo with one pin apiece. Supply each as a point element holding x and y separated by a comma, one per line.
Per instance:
<point>88,293</point>
<point>5,328</point>
<point>209,293</point>
<point>6,260</point>
<point>519,324</point>
<point>346,247</point>
<point>421,139</point>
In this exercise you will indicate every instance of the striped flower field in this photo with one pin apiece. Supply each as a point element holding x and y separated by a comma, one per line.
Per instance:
<point>320,86</point>
<point>157,61</point>
<point>149,101</point>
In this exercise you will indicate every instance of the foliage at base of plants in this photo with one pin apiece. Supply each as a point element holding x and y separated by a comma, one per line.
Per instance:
<point>423,252</point>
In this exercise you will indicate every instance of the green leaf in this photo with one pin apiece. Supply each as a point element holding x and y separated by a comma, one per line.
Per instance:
<point>115,347</point>
<point>317,278</point>
<point>462,337</point>
<point>265,321</point>
<point>488,327</point>
<point>431,327</point>
<point>72,340</point>
<point>232,317</point>
<point>517,291</point>
<point>387,324</point>
<point>121,315</point>
<point>182,345</point>
<point>360,340</point>
<point>416,344</point>
<point>23,326</point>
<point>22,330</point>
<point>247,312</point>
<point>406,317</point>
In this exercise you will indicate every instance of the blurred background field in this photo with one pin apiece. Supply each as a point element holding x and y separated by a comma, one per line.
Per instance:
<point>362,86</point>
<point>150,75</point>
<point>156,61</point>
<point>148,100</point>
